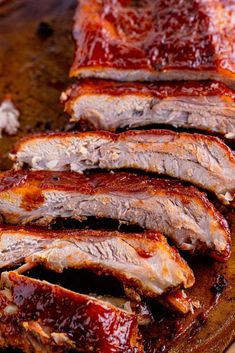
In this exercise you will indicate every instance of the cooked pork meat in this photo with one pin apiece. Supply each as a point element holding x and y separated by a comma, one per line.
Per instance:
<point>201,160</point>
<point>66,249</point>
<point>143,261</point>
<point>109,105</point>
<point>39,317</point>
<point>182,213</point>
<point>151,40</point>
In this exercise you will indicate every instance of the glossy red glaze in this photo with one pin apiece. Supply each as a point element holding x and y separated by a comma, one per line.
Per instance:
<point>154,35</point>
<point>86,321</point>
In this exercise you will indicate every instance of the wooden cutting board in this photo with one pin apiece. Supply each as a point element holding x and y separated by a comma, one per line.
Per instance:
<point>34,65</point>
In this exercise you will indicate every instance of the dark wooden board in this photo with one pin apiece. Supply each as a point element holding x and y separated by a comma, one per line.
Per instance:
<point>34,70</point>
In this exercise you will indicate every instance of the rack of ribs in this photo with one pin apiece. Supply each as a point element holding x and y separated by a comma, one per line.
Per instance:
<point>111,105</point>
<point>182,213</point>
<point>149,40</point>
<point>143,262</point>
<point>201,160</point>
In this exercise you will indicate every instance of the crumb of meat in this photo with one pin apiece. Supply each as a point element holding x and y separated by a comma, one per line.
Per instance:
<point>230,135</point>
<point>8,117</point>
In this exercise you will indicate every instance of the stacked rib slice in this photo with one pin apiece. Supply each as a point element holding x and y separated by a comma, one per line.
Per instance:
<point>136,65</point>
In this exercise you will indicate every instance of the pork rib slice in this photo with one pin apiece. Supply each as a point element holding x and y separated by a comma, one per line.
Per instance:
<point>40,317</point>
<point>110,105</point>
<point>146,41</point>
<point>144,262</point>
<point>182,213</point>
<point>201,160</point>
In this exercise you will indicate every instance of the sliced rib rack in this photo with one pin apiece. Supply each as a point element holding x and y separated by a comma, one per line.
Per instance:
<point>154,40</point>
<point>144,262</point>
<point>40,317</point>
<point>182,213</point>
<point>110,105</point>
<point>201,160</point>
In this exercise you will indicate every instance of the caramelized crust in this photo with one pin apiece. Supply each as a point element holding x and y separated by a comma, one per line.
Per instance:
<point>138,40</point>
<point>99,183</point>
<point>182,213</point>
<point>39,317</point>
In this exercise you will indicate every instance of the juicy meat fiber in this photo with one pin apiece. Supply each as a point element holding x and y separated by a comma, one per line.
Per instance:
<point>39,317</point>
<point>110,105</point>
<point>142,261</point>
<point>154,40</point>
<point>182,213</point>
<point>201,160</point>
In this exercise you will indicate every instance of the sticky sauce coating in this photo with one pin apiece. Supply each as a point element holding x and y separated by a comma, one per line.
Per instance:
<point>154,35</point>
<point>47,311</point>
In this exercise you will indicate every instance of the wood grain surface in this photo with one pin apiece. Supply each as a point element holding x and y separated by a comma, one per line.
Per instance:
<point>34,65</point>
